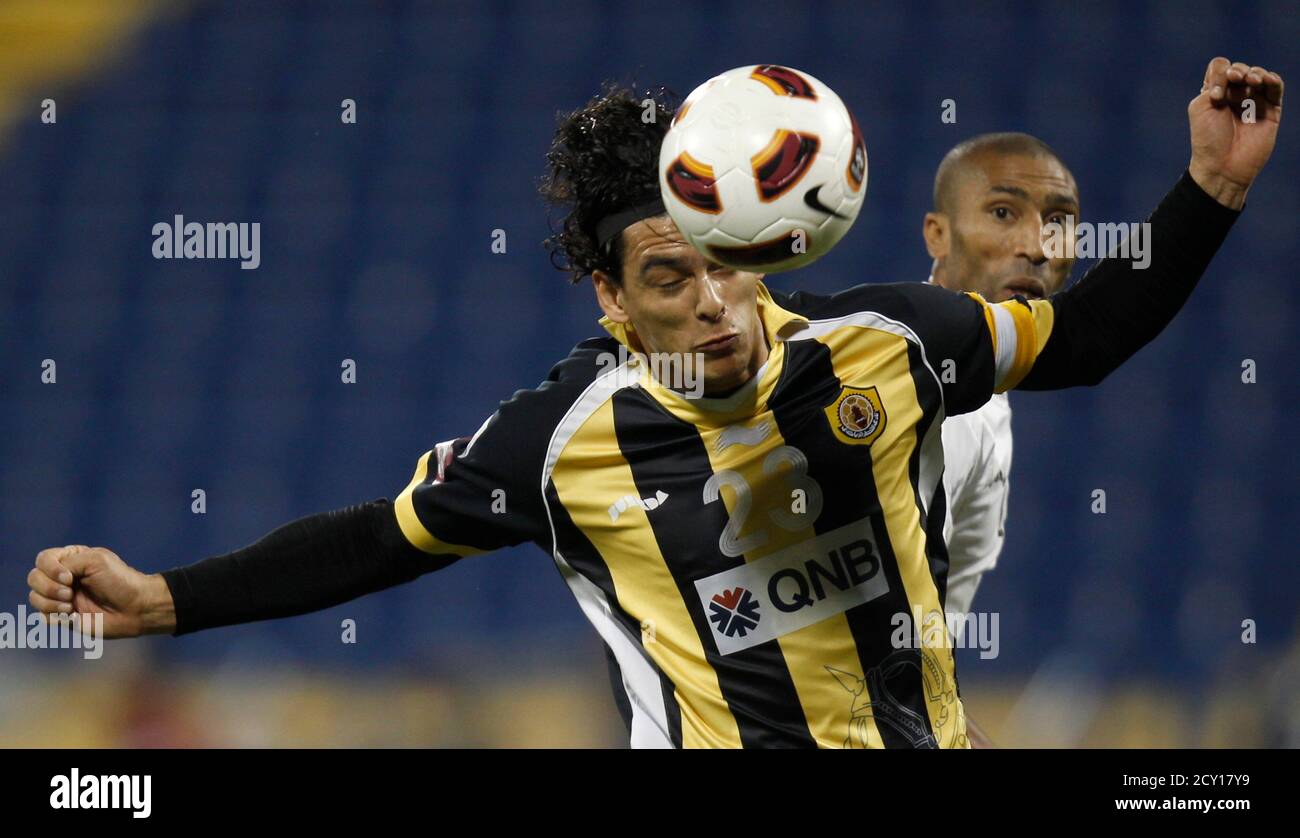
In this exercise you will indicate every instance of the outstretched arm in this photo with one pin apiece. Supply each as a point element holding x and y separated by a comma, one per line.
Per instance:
<point>307,565</point>
<point>312,563</point>
<point>467,495</point>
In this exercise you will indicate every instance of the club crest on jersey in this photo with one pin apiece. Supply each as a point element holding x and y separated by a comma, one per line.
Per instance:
<point>857,417</point>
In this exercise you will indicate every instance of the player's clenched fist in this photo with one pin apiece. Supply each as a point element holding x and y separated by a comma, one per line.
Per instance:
<point>1234,121</point>
<point>94,580</point>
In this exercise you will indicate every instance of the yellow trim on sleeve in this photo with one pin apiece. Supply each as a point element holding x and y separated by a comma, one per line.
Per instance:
<point>1028,344</point>
<point>413,529</point>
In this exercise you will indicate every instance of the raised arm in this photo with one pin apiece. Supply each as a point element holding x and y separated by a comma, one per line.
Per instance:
<point>1117,308</point>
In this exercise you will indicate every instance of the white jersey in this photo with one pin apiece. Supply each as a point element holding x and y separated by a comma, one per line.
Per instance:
<point>977,467</point>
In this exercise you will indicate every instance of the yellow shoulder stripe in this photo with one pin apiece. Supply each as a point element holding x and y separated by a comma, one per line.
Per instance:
<point>1033,325</point>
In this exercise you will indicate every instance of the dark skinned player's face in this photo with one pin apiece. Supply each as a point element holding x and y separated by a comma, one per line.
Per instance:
<point>679,302</point>
<point>990,240</point>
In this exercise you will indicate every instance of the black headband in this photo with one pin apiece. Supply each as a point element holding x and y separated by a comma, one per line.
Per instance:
<point>611,225</point>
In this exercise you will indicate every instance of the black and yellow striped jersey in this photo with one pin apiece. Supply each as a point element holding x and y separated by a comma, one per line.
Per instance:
<point>744,559</point>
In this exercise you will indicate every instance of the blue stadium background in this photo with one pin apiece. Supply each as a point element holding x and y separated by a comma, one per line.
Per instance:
<point>177,375</point>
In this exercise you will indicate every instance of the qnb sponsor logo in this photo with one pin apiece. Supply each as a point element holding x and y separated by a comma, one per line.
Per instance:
<point>26,630</point>
<point>933,630</point>
<point>1094,241</point>
<point>734,612</point>
<point>793,587</point>
<point>103,791</point>
<point>844,567</point>
<point>680,371</point>
<point>180,239</point>
<point>627,502</point>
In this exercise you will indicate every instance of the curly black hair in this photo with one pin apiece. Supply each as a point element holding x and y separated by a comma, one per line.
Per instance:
<point>604,158</point>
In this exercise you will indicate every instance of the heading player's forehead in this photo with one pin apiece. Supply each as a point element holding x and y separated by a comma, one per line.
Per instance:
<point>656,242</point>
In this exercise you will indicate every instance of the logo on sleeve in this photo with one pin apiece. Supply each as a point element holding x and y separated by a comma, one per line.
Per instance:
<point>857,417</point>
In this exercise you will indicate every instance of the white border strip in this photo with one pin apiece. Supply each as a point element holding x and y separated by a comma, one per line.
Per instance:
<point>640,681</point>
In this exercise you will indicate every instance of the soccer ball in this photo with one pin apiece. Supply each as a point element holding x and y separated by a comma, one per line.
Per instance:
<point>763,168</point>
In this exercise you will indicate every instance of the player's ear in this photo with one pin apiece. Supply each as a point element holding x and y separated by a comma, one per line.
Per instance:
<point>609,295</point>
<point>935,231</point>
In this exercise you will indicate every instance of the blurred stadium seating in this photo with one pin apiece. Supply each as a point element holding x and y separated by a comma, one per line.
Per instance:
<point>173,376</point>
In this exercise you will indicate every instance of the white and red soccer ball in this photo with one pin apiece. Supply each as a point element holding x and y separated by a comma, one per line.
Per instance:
<point>763,168</point>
